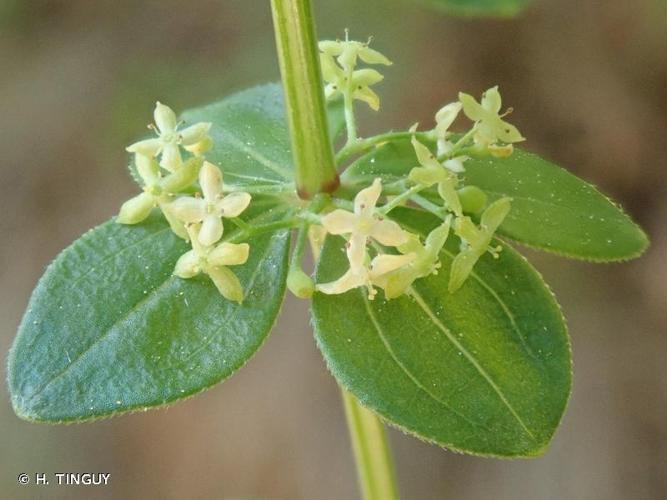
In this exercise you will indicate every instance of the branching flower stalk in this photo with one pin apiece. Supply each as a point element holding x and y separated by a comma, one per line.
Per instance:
<point>382,254</point>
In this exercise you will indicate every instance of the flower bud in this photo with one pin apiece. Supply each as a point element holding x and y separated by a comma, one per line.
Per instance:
<point>136,209</point>
<point>473,199</point>
<point>183,177</point>
<point>300,284</point>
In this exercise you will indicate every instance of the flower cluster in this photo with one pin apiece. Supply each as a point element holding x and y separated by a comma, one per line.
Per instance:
<point>166,185</point>
<point>368,230</point>
<point>339,60</point>
<point>381,252</point>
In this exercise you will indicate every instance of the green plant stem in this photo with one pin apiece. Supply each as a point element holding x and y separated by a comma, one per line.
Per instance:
<point>253,230</point>
<point>350,119</point>
<point>371,450</point>
<point>304,97</point>
<point>362,145</point>
<point>316,173</point>
<point>397,200</point>
<point>429,206</point>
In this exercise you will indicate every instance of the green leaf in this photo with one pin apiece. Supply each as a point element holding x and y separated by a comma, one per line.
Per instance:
<point>485,370</point>
<point>251,140</point>
<point>109,329</point>
<point>481,8</point>
<point>551,209</point>
<point>250,137</point>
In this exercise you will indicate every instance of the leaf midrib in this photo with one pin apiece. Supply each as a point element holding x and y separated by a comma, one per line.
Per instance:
<point>410,375</point>
<point>448,334</point>
<point>284,172</point>
<point>497,298</point>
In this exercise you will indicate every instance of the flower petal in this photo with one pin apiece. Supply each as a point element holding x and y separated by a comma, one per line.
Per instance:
<point>148,169</point>
<point>495,213</point>
<point>171,157</point>
<point>339,221</point>
<point>383,264</point>
<point>461,268</point>
<point>436,239</point>
<point>426,176</point>
<point>371,56</point>
<point>366,77</point>
<point>165,118</point>
<point>210,180</point>
<point>491,100</point>
<point>175,223</point>
<point>330,47</point>
<point>188,209</point>
<point>229,254</point>
<point>424,155</point>
<point>447,191</point>
<point>233,204</point>
<point>455,164</point>
<point>331,90</point>
<point>471,107</point>
<point>346,282</point>
<point>397,283</point>
<point>507,132</point>
<point>466,229</point>
<point>187,265</point>
<point>211,230</point>
<point>389,233</point>
<point>227,283</point>
<point>366,95</point>
<point>183,177</point>
<point>194,133</point>
<point>331,72</point>
<point>136,209</point>
<point>356,251</point>
<point>445,117</point>
<point>366,199</point>
<point>147,147</point>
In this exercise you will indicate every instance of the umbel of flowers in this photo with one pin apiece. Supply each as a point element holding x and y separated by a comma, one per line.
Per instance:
<point>381,253</point>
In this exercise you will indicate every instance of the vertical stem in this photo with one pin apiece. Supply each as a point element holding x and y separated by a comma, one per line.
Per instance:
<point>371,450</point>
<point>316,173</point>
<point>350,120</point>
<point>304,97</point>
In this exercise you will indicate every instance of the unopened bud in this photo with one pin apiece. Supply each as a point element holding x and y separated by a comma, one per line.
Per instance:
<point>300,284</point>
<point>473,199</point>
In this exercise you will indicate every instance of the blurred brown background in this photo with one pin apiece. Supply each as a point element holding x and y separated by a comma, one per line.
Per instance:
<point>588,82</point>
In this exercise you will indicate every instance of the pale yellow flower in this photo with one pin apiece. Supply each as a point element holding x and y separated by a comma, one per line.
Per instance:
<point>431,173</point>
<point>158,191</point>
<point>213,261</point>
<point>214,205</point>
<point>169,138</point>
<point>363,225</point>
<point>476,241</point>
<point>491,127</point>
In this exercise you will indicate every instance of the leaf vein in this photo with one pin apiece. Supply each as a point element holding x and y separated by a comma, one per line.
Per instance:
<point>411,376</point>
<point>434,319</point>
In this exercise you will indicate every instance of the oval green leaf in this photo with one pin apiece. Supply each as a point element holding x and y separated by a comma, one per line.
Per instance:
<point>551,209</point>
<point>486,370</point>
<point>109,329</point>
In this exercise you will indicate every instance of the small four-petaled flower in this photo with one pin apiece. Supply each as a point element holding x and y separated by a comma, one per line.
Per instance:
<point>214,261</point>
<point>476,240</point>
<point>490,126</point>
<point>431,172</point>
<point>339,59</point>
<point>363,225</point>
<point>214,205</point>
<point>170,139</point>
